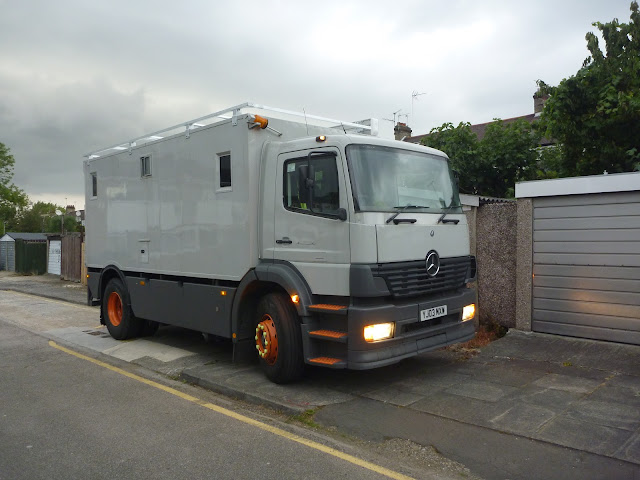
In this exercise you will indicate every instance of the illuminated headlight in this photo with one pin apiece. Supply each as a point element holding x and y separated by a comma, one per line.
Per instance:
<point>379,331</point>
<point>468,312</point>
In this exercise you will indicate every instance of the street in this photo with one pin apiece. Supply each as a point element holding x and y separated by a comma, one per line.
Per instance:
<point>65,414</point>
<point>75,400</point>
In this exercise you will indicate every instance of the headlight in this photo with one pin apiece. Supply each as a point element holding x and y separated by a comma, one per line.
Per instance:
<point>379,331</point>
<point>468,312</point>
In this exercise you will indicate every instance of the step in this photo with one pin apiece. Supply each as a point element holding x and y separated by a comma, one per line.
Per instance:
<point>330,362</point>
<point>328,308</point>
<point>330,335</point>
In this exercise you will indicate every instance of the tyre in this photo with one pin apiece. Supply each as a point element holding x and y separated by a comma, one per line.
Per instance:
<point>278,339</point>
<point>117,313</point>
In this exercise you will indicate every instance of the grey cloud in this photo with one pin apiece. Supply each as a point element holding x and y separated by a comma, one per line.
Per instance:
<point>77,75</point>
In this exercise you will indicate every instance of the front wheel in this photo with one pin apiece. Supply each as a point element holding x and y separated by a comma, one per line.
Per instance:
<point>117,313</point>
<point>278,339</point>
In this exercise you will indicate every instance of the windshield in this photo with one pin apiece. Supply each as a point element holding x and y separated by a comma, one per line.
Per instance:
<point>384,179</point>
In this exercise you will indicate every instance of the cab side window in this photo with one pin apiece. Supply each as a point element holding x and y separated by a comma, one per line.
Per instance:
<point>322,196</point>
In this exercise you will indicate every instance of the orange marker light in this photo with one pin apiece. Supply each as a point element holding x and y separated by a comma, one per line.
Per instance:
<point>321,138</point>
<point>223,293</point>
<point>295,298</point>
<point>263,122</point>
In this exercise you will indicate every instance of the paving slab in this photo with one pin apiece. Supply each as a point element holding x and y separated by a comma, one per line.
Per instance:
<point>610,414</point>
<point>523,419</point>
<point>630,451</point>
<point>552,399</point>
<point>590,437</point>
<point>489,392</point>
<point>568,383</point>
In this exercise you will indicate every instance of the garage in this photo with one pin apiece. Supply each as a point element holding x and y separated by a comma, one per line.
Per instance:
<point>23,252</point>
<point>7,253</point>
<point>585,249</point>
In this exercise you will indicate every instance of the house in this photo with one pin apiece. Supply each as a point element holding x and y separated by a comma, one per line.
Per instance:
<point>480,128</point>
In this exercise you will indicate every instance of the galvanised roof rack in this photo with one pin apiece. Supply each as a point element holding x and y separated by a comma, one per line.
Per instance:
<point>367,127</point>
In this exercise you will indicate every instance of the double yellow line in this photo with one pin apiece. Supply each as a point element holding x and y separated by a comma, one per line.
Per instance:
<point>242,418</point>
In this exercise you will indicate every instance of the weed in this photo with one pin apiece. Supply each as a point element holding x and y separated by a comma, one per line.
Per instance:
<point>306,418</point>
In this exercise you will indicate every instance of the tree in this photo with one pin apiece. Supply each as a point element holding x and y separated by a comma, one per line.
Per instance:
<point>39,218</point>
<point>12,199</point>
<point>595,114</point>
<point>506,154</point>
<point>70,224</point>
<point>461,145</point>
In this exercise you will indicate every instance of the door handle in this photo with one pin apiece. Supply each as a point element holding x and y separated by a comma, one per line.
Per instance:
<point>286,240</point>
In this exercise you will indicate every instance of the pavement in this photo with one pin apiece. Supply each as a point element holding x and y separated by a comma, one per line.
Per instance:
<point>526,406</point>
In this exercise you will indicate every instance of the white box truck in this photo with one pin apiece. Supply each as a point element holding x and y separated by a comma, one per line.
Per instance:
<point>307,240</point>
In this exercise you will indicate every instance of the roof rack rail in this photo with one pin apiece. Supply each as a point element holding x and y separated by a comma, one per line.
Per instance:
<point>367,127</point>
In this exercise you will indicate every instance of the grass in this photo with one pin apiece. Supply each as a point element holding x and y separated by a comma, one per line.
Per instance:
<point>485,334</point>
<point>306,418</point>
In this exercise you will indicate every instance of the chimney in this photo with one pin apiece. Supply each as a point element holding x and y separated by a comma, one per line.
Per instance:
<point>538,102</point>
<point>401,130</point>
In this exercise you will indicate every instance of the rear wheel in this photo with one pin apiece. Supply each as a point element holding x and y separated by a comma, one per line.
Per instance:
<point>278,339</point>
<point>117,313</point>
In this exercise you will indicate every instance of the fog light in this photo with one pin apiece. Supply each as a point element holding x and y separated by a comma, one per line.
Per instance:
<point>379,331</point>
<point>468,312</point>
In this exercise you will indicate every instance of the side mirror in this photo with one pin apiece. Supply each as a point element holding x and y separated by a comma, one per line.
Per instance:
<point>341,214</point>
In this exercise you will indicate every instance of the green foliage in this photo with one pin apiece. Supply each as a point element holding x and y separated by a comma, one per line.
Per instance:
<point>549,163</point>
<point>506,155</point>
<point>12,199</point>
<point>595,114</point>
<point>52,225</point>
<point>39,218</point>
<point>461,144</point>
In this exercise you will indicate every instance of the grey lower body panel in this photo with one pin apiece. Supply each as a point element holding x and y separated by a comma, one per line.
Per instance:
<point>412,336</point>
<point>194,306</point>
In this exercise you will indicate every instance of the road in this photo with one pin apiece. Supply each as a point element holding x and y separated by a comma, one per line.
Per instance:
<point>69,414</point>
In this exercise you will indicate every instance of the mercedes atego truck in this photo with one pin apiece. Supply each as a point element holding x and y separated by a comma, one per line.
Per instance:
<point>305,239</point>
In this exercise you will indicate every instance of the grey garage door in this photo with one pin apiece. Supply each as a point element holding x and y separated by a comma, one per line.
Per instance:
<point>586,266</point>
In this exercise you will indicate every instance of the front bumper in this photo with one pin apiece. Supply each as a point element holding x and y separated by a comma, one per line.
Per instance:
<point>412,336</point>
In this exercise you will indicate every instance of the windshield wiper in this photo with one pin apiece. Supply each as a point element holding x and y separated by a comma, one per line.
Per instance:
<point>455,221</point>
<point>402,209</point>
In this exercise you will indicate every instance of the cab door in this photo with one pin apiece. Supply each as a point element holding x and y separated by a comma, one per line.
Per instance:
<point>310,226</point>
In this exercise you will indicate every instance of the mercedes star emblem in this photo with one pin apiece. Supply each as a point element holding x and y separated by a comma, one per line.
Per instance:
<point>433,263</point>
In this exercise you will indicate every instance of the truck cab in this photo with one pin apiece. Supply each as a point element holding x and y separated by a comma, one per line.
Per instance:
<point>374,231</point>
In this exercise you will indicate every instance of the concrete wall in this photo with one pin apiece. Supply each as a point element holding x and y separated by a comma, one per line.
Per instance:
<point>496,255</point>
<point>524,258</point>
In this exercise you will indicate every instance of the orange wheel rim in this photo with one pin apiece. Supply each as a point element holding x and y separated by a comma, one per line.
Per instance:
<point>114,309</point>
<point>267,340</point>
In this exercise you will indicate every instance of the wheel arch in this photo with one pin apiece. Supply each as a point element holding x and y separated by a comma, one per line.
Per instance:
<point>267,277</point>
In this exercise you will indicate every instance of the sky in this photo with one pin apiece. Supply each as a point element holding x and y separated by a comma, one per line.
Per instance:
<point>77,75</point>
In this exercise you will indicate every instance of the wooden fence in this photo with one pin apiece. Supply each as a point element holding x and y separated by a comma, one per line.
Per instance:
<point>72,258</point>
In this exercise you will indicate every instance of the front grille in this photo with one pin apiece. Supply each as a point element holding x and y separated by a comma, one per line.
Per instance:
<point>407,279</point>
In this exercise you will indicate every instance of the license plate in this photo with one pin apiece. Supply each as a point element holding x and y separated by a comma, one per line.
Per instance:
<point>434,312</point>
